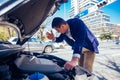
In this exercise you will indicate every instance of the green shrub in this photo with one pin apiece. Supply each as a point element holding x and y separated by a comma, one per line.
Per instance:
<point>3,38</point>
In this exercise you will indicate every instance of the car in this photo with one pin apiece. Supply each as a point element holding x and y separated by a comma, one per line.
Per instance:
<point>33,44</point>
<point>57,45</point>
<point>117,41</point>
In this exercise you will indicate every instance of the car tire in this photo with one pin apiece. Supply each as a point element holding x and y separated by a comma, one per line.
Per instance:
<point>48,49</point>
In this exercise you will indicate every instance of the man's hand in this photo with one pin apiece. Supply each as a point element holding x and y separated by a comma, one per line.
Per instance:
<point>50,35</point>
<point>71,64</point>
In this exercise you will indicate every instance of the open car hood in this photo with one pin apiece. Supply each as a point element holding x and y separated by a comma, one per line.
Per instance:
<point>27,15</point>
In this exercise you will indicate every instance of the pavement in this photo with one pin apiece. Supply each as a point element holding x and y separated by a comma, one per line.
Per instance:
<point>107,62</point>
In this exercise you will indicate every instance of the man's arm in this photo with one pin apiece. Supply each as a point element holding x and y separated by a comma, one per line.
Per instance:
<point>71,64</point>
<point>80,36</point>
<point>60,38</point>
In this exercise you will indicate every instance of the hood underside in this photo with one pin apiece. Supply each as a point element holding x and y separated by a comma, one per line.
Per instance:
<point>28,15</point>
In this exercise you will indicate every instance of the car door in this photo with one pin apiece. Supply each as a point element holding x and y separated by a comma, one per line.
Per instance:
<point>42,46</point>
<point>33,45</point>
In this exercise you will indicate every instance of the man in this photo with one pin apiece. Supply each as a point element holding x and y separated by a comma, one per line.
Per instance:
<point>82,40</point>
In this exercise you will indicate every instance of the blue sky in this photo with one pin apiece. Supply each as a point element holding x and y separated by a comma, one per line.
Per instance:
<point>113,10</point>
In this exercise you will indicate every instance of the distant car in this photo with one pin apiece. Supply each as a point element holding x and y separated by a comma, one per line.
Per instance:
<point>57,45</point>
<point>33,44</point>
<point>117,41</point>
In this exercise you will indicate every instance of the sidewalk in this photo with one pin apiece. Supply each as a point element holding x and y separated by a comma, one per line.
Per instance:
<point>107,62</point>
<point>107,67</point>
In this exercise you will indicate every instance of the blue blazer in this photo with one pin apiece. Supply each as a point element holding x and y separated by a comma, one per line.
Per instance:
<point>82,36</point>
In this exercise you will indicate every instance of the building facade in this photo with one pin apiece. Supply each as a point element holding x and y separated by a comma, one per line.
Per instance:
<point>74,8</point>
<point>85,4</point>
<point>97,21</point>
<point>80,5</point>
<point>115,31</point>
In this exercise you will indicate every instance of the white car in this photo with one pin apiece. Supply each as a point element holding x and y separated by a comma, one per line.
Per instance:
<point>33,44</point>
<point>57,45</point>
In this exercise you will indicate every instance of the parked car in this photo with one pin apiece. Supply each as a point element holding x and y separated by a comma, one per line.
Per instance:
<point>57,45</point>
<point>33,44</point>
<point>117,41</point>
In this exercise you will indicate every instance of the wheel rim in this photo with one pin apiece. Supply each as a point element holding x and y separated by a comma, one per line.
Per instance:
<point>48,49</point>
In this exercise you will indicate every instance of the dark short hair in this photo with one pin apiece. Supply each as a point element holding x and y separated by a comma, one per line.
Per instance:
<point>57,21</point>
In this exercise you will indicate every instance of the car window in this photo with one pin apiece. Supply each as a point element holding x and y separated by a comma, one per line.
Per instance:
<point>41,42</point>
<point>29,40</point>
<point>32,40</point>
<point>15,40</point>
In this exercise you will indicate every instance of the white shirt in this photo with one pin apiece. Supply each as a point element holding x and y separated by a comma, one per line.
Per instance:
<point>68,34</point>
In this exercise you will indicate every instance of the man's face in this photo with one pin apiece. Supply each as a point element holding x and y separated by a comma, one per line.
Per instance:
<point>61,29</point>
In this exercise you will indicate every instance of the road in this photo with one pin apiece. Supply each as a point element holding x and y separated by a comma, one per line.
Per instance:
<point>107,62</point>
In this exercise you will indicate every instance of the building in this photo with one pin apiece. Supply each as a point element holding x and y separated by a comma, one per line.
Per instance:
<point>80,5</point>
<point>97,21</point>
<point>74,8</point>
<point>85,4</point>
<point>115,31</point>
